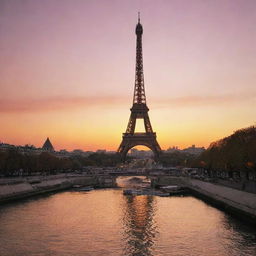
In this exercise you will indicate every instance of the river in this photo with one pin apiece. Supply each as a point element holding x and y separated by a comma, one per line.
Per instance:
<point>105,222</point>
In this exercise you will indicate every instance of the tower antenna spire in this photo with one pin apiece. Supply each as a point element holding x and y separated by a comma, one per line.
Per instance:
<point>139,17</point>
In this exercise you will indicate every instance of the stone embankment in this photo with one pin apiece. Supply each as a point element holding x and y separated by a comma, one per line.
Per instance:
<point>237,202</point>
<point>13,189</point>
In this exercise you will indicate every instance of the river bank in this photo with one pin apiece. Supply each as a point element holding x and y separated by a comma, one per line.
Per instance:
<point>18,188</point>
<point>239,203</point>
<point>236,202</point>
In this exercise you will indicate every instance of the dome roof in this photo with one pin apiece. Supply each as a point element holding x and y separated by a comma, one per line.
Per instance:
<point>48,145</point>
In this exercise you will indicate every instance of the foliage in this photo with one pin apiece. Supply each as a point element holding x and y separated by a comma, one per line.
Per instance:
<point>102,159</point>
<point>233,153</point>
<point>13,162</point>
<point>176,159</point>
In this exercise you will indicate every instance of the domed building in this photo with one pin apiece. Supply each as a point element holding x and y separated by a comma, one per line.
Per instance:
<point>48,145</point>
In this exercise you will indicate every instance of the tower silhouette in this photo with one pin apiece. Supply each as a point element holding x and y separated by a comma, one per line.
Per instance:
<point>139,109</point>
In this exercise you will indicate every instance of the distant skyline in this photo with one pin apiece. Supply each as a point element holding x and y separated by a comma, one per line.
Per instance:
<point>67,70</point>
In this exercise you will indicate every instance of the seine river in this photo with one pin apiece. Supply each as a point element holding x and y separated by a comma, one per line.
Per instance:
<point>105,222</point>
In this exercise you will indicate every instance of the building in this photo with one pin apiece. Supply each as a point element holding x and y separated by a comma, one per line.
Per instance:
<point>6,147</point>
<point>48,146</point>
<point>193,150</point>
<point>172,149</point>
<point>140,153</point>
<point>101,151</point>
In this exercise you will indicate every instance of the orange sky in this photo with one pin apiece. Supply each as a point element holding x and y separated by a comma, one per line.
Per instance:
<point>67,71</point>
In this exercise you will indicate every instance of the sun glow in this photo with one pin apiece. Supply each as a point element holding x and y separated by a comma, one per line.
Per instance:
<point>71,81</point>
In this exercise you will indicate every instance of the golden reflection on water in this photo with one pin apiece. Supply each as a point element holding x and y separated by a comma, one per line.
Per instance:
<point>105,222</point>
<point>138,225</point>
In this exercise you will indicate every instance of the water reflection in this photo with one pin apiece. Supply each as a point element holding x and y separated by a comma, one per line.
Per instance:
<point>139,227</point>
<point>105,222</point>
<point>239,238</point>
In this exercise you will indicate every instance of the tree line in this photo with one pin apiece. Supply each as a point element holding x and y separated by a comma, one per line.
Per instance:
<point>177,159</point>
<point>236,152</point>
<point>12,162</point>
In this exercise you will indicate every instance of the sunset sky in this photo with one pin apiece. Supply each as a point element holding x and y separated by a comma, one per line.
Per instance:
<point>67,70</point>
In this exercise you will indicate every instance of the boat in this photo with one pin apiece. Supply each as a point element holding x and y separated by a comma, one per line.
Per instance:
<point>84,188</point>
<point>133,192</point>
<point>174,190</point>
<point>77,186</point>
<point>148,192</point>
<point>164,194</point>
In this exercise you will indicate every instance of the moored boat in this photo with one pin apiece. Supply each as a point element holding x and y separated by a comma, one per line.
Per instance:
<point>149,192</point>
<point>84,188</point>
<point>174,190</point>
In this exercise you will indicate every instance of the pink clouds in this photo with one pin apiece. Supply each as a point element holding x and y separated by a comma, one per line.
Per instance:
<point>56,103</point>
<point>207,100</point>
<point>64,103</point>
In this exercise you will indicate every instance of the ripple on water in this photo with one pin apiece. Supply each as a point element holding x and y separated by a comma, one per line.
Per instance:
<point>105,222</point>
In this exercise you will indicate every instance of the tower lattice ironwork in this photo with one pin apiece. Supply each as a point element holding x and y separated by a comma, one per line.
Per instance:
<point>139,109</point>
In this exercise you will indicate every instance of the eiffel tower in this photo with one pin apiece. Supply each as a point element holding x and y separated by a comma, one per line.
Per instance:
<point>139,109</point>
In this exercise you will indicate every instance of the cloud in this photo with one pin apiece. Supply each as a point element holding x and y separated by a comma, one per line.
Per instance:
<point>57,103</point>
<point>63,103</point>
<point>208,100</point>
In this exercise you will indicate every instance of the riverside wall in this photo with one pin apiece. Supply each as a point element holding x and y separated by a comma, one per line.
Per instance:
<point>14,189</point>
<point>239,203</point>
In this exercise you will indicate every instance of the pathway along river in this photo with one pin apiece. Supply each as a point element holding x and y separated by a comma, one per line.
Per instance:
<point>105,222</point>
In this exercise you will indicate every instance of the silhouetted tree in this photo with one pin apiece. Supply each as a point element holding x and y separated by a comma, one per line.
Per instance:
<point>233,153</point>
<point>176,159</point>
